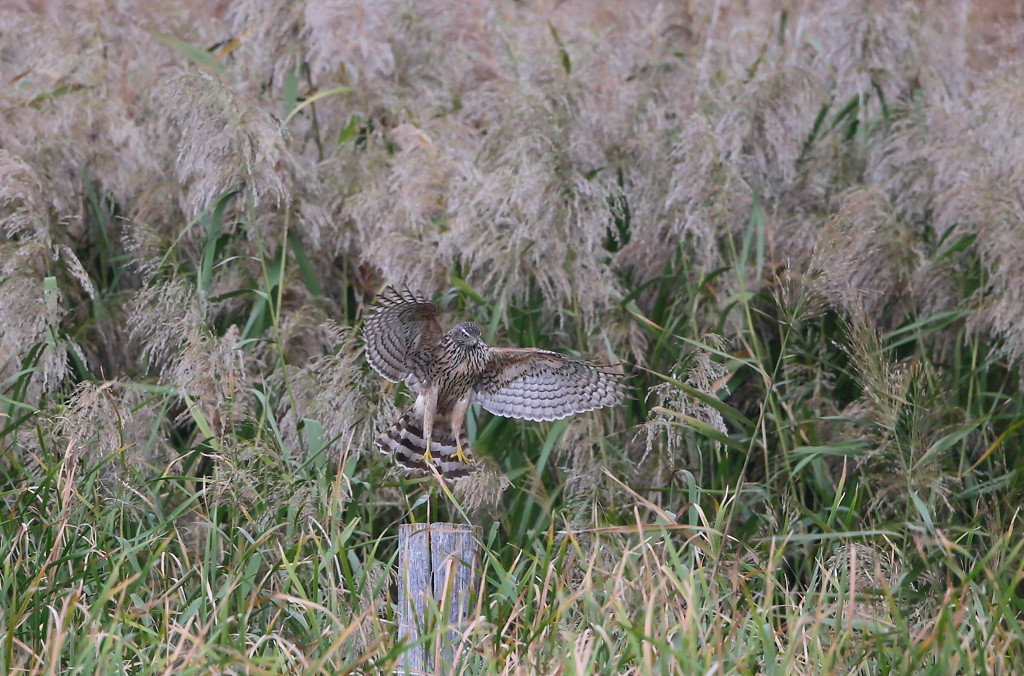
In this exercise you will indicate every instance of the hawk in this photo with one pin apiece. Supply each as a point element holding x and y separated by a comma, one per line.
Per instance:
<point>450,371</point>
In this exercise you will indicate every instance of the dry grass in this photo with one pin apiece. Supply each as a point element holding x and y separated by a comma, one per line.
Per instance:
<point>797,222</point>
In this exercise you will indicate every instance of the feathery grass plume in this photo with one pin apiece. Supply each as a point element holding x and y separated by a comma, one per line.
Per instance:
<point>450,47</point>
<point>906,410</point>
<point>160,318</point>
<point>728,42</point>
<point>582,451</point>
<point>418,181</point>
<point>880,378</point>
<point>997,210</point>
<point>269,46</point>
<point>86,91</point>
<point>227,143</point>
<point>248,476</point>
<point>352,37</point>
<point>902,160</point>
<point>398,212</point>
<point>523,216</point>
<point>913,163</point>
<point>215,372</point>
<point>33,263</point>
<point>116,428</point>
<point>628,339</point>
<point>305,333</point>
<point>286,502</point>
<point>865,577</point>
<point>332,219</point>
<point>315,222</point>
<point>337,391</point>
<point>801,296</point>
<point>777,515</point>
<point>663,434</point>
<point>625,74</point>
<point>481,491</point>
<point>767,125</point>
<point>687,196</point>
<point>374,581</point>
<point>866,47</point>
<point>978,175</point>
<point>863,255</point>
<point>404,260</point>
<point>153,224</point>
<point>30,318</point>
<point>23,214</point>
<point>878,255</point>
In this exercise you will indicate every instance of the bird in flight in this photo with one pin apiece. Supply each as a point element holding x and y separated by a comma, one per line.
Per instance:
<point>450,371</point>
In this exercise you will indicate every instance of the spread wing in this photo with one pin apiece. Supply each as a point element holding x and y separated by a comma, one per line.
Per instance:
<point>540,385</point>
<point>402,335</point>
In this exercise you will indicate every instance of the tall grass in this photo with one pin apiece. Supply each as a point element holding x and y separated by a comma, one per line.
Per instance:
<point>797,224</point>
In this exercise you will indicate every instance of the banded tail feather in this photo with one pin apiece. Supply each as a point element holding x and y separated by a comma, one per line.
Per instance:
<point>404,440</point>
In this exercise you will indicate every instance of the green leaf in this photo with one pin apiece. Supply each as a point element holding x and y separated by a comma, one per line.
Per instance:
<point>291,89</point>
<point>349,129</point>
<point>847,447</point>
<point>305,265</point>
<point>549,443</point>
<point>313,437</point>
<point>702,428</point>
<point>922,327</point>
<point>201,422</point>
<point>949,441</point>
<point>563,53</point>
<point>198,56</point>
<point>959,245</point>
<point>213,237</point>
<point>313,99</point>
<point>923,510</point>
<point>798,538</point>
<point>466,289</point>
<point>725,409</point>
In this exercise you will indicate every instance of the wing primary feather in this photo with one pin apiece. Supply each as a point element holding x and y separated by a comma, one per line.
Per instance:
<point>543,385</point>
<point>400,328</point>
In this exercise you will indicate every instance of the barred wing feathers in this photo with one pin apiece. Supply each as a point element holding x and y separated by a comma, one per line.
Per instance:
<point>538,385</point>
<point>401,335</point>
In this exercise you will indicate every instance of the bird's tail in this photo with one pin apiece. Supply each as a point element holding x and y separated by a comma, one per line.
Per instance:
<point>404,440</point>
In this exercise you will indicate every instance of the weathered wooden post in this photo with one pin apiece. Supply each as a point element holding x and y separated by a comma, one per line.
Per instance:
<point>415,591</point>
<point>438,577</point>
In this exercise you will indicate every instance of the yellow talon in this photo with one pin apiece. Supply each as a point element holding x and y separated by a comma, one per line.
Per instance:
<point>459,455</point>
<point>428,459</point>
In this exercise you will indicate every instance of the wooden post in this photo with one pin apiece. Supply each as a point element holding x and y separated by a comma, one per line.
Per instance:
<point>438,577</point>
<point>413,589</point>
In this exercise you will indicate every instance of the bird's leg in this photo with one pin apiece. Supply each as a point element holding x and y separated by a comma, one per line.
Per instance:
<point>429,408</point>
<point>459,455</point>
<point>458,418</point>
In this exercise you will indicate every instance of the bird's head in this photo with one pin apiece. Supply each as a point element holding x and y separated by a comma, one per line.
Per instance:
<point>466,334</point>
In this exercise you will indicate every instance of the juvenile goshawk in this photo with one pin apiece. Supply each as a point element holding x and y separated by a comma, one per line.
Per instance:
<point>449,371</point>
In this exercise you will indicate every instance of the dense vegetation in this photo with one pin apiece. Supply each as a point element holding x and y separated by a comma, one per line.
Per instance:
<point>798,225</point>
